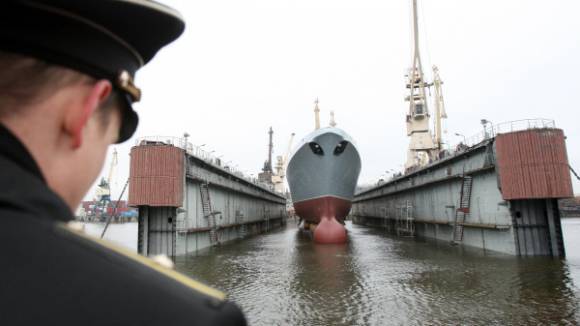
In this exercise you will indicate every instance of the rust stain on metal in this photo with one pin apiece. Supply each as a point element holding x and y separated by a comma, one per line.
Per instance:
<point>533,164</point>
<point>156,176</point>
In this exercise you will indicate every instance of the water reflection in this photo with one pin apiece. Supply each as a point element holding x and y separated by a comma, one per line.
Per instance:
<point>322,283</point>
<point>284,279</point>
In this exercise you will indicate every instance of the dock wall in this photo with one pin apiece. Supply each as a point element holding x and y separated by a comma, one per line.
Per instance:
<point>187,203</point>
<point>431,198</point>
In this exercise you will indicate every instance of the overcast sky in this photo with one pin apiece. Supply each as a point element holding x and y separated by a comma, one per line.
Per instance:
<point>243,66</point>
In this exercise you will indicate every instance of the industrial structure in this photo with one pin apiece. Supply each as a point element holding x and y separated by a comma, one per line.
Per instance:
<point>570,207</point>
<point>279,175</point>
<point>499,193</point>
<point>118,210</point>
<point>266,175</point>
<point>103,207</point>
<point>187,201</point>
<point>423,147</point>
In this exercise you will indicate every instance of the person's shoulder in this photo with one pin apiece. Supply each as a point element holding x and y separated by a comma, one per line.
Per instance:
<point>165,286</point>
<point>73,232</point>
<point>72,278</point>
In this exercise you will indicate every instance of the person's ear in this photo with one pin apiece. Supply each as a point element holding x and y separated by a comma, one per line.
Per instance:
<point>77,118</point>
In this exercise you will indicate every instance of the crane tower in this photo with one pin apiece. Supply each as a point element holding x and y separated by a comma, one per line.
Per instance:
<point>423,147</point>
<point>267,172</point>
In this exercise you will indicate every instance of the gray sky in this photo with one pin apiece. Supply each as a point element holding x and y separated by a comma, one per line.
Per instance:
<point>243,66</point>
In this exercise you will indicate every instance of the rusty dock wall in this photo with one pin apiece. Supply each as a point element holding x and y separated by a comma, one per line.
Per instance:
<point>188,202</point>
<point>514,180</point>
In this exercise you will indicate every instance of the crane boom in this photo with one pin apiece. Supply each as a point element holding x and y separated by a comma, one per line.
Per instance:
<point>439,107</point>
<point>114,161</point>
<point>288,150</point>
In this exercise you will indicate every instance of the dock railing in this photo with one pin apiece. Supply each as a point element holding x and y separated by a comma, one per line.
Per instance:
<point>490,131</point>
<point>199,153</point>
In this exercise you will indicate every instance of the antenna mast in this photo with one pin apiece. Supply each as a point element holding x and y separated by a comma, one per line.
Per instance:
<point>316,115</point>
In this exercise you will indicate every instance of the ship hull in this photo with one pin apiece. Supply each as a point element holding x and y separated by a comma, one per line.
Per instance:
<point>322,174</point>
<point>313,210</point>
<point>328,214</point>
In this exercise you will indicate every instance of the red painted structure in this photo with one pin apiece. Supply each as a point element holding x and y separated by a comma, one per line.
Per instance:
<point>328,213</point>
<point>90,207</point>
<point>156,175</point>
<point>533,164</point>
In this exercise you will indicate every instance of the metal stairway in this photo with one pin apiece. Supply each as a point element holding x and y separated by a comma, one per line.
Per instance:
<point>463,211</point>
<point>208,213</point>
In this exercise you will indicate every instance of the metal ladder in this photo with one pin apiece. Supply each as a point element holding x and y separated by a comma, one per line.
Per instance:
<point>208,213</point>
<point>267,219</point>
<point>462,212</point>
<point>243,229</point>
<point>405,224</point>
<point>173,237</point>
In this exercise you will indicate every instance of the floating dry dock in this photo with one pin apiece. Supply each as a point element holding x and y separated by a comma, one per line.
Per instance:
<point>188,200</point>
<point>499,194</point>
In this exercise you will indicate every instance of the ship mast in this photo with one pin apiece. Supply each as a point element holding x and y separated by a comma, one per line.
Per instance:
<point>316,115</point>
<point>421,145</point>
<point>332,121</point>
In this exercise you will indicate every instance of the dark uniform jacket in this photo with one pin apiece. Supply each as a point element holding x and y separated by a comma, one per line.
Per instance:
<point>53,275</point>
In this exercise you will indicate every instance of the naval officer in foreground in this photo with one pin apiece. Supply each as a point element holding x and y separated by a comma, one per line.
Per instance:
<point>67,71</point>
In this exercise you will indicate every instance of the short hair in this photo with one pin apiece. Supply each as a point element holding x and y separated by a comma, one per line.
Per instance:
<point>25,81</point>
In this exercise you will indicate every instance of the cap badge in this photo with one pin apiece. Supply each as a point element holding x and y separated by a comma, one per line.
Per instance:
<point>125,83</point>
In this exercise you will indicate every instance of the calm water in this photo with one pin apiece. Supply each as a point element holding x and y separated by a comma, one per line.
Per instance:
<point>282,278</point>
<point>121,234</point>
